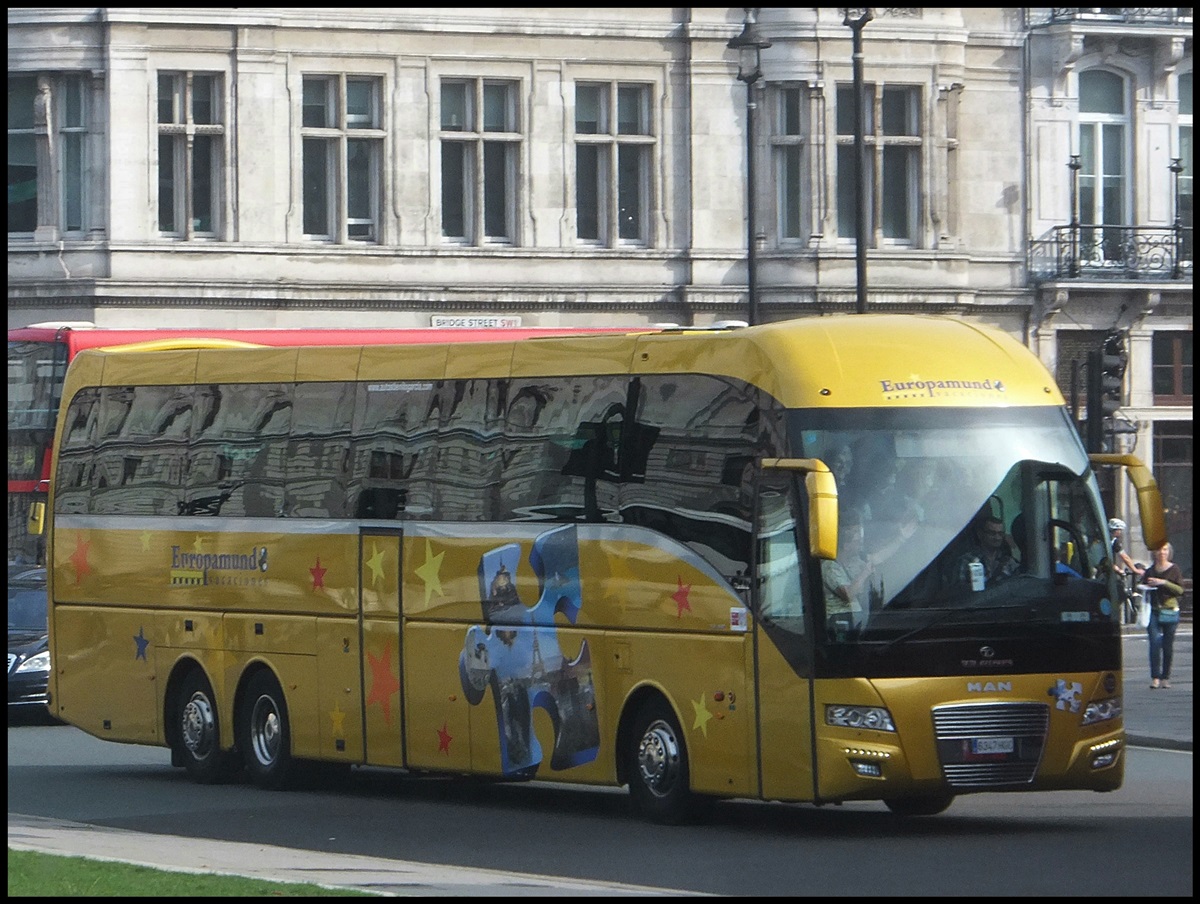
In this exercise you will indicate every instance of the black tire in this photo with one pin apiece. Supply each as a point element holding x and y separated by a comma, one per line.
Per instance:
<point>929,805</point>
<point>265,735</point>
<point>197,740</point>
<point>657,765</point>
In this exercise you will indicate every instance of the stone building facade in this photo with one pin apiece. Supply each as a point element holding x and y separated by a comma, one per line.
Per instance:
<point>587,167</point>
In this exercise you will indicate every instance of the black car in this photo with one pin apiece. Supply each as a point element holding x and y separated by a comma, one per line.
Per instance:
<point>28,648</point>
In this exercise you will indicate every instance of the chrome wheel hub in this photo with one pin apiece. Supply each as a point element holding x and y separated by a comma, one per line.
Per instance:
<point>266,733</point>
<point>658,758</point>
<point>199,726</point>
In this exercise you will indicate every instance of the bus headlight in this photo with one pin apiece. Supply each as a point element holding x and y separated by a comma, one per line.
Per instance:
<point>37,663</point>
<point>874,717</point>
<point>1102,710</point>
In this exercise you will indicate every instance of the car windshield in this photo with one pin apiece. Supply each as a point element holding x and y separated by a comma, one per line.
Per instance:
<point>27,608</point>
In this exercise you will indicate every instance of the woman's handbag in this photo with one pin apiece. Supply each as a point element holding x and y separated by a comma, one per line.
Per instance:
<point>1168,616</point>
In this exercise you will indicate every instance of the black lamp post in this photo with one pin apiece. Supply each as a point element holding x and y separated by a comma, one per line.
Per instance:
<point>1074,166</point>
<point>750,45</point>
<point>857,20</point>
<point>1176,168</point>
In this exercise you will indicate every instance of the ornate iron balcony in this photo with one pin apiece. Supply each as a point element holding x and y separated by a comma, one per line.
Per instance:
<point>1164,15</point>
<point>1112,252</point>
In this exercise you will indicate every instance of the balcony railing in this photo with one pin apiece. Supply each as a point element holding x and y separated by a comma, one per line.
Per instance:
<point>1145,15</point>
<point>1112,252</point>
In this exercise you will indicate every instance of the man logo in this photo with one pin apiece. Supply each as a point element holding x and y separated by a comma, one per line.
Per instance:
<point>987,652</point>
<point>989,687</point>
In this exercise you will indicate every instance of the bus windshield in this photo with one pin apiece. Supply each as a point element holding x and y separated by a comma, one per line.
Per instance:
<point>967,510</point>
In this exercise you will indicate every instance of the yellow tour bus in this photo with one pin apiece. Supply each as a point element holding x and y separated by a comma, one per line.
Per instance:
<point>840,558</point>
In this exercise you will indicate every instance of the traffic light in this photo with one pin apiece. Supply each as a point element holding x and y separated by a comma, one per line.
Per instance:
<point>1106,372</point>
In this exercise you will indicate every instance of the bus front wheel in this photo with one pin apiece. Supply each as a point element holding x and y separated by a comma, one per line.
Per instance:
<point>657,764</point>
<point>198,732</point>
<point>930,805</point>
<point>265,736</point>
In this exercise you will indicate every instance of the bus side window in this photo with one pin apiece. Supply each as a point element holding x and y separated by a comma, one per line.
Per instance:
<point>76,456</point>
<point>780,592</point>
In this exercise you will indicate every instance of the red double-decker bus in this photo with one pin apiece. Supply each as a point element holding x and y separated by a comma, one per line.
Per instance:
<point>38,356</point>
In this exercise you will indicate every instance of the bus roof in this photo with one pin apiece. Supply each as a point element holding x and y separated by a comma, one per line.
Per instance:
<point>78,336</point>
<point>839,361</point>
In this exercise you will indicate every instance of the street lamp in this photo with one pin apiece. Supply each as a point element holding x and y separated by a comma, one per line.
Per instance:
<point>1176,168</point>
<point>857,18</point>
<point>1074,166</point>
<point>750,44</point>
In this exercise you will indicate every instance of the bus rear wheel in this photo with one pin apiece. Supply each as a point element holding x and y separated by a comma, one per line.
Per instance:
<point>657,765</point>
<point>197,743</point>
<point>929,805</point>
<point>265,736</point>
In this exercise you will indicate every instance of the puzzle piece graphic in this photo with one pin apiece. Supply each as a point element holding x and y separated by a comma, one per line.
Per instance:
<point>516,653</point>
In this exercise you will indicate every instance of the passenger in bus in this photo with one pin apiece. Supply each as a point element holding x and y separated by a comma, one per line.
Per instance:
<point>849,488</point>
<point>989,557</point>
<point>848,579</point>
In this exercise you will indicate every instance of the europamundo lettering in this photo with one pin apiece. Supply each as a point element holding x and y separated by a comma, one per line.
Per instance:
<point>911,388</point>
<point>190,569</point>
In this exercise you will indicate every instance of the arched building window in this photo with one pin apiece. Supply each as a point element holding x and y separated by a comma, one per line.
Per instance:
<point>1104,131</point>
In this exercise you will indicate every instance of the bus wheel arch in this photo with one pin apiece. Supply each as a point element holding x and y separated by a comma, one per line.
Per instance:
<point>652,758</point>
<point>193,726</point>
<point>263,729</point>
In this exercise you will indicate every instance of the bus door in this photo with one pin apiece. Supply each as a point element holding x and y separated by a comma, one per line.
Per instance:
<point>783,642</point>
<point>380,564</point>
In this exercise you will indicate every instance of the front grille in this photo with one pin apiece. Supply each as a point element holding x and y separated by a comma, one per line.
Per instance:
<point>968,735</point>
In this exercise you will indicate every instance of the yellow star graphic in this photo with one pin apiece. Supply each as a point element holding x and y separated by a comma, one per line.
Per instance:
<point>429,572</point>
<point>375,563</point>
<point>146,535</point>
<point>339,721</point>
<point>702,715</point>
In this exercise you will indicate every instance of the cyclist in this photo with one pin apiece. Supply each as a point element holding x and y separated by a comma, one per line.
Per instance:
<point>1124,566</point>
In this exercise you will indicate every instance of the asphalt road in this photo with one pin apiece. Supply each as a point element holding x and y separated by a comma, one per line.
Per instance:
<point>454,837</point>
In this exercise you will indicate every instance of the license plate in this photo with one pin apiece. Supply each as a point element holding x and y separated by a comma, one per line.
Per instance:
<point>992,745</point>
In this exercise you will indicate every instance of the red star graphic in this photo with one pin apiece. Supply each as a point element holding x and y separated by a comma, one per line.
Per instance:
<point>383,682</point>
<point>79,558</point>
<point>318,575</point>
<point>681,598</point>
<point>444,739</point>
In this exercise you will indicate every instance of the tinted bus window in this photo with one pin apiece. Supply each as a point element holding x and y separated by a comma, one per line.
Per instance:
<point>238,451</point>
<point>562,441</point>
<point>318,451</point>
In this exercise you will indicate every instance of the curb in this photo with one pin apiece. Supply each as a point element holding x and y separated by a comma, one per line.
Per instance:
<point>1133,740</point>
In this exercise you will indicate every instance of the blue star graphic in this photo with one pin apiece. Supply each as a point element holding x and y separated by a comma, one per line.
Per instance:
<point>142,643</point>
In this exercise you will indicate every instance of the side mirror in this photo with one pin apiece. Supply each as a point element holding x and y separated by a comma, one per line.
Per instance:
<point>36,522</point>
<point>821,488</point>
<point>1149,498</point>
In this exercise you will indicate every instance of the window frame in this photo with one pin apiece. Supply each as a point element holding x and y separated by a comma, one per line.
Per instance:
<point>182,136</point>
<point>59,166</point>
<point>1177,363</point>
<point>340,135</point>
<point>880,147</point>
<point>616,149</point>
<point>1093,178</point>
<point>486,188</point>
<point>792,153</point>
<point>1184,149</point>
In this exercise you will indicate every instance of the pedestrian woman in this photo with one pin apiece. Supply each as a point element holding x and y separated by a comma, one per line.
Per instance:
<point>1167,580</point>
